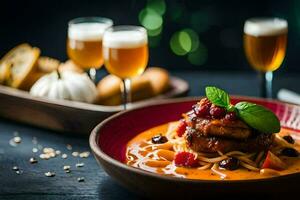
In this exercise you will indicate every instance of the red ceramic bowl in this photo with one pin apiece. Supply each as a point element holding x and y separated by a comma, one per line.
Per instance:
<point>108,143</point>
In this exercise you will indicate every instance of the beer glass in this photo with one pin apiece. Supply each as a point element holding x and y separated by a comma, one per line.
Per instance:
<point>125,53</point>
<point>265,42</point>
<point>84,43</point>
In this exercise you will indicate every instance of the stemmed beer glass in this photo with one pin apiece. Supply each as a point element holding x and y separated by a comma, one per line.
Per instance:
<point>84,43</point>
<point>125,53</point>
<point>265,42</point>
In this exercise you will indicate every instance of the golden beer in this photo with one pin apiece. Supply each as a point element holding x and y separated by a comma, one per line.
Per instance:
<point>86,54</point>
<point>125,53</point>
<point>265,43</point>
<point>84,43</point>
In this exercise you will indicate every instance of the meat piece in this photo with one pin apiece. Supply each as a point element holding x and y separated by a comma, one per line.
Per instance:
<point>236,129</point>
<point>199,143</point>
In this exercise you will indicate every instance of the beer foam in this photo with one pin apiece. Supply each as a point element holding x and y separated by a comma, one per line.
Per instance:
<point>265,27</point>
<point>87,31</point>
<point>125,39</point>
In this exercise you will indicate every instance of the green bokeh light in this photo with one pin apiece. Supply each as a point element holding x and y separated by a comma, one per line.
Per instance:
<point>155,32</point>
<point>199,56</point>
<point>175,45</point>
<point>159,6</point>
<point>150,19</point>
<point>184,41</point>
<point>194,39</point>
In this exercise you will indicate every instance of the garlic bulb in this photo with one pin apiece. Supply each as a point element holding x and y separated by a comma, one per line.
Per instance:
<point>66,85</point>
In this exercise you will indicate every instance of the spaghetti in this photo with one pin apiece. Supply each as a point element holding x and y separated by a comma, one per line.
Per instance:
<point>159,158</point>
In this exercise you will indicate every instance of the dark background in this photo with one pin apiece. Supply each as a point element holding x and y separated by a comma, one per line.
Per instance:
<point>218,25</point>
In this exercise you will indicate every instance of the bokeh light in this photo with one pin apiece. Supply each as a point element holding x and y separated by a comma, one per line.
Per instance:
<point>176,46</point>
<point>194,39</point>
<point>184,41</point>
<point>199,56</point>
<point>159,6</point>
<point>155,32</point>
<point>150,19</point>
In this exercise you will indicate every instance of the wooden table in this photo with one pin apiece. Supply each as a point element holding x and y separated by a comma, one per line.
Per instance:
<point>33,184</point>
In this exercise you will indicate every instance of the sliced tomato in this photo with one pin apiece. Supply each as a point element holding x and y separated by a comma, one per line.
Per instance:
<point>273,162</point>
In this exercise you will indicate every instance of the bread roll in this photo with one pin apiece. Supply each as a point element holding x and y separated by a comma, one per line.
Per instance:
<point>110,90</point>
<point>153,82</point>
<point>47,64</point>
<point>159,79</point>
<point>19,63</point>
<point>70,65</point>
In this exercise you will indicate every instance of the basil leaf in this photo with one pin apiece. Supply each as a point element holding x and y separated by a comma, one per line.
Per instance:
<point>217,96</point>
<point>258,117</point>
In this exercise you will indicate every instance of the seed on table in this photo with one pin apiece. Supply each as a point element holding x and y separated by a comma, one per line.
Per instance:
<point>69,147</point>
<point>52,154</point>
<point>80,179</point>
<point>12,143</point>
<point>79,164</point>
<point>48,150</point>
<point>67,168</point>
<point>33,160</point>
<point>75,153</point>
<point>57,152</point>
<point>50,174</point>
<point>84,154</point>
<point>15,168</point>
<point>64,156</point>
<point>19,172</point>
<point>34,150</point>
<point>44,156</point>
<point>17,139</point>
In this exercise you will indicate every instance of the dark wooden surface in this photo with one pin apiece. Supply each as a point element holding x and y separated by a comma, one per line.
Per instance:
<point>33,184</point>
